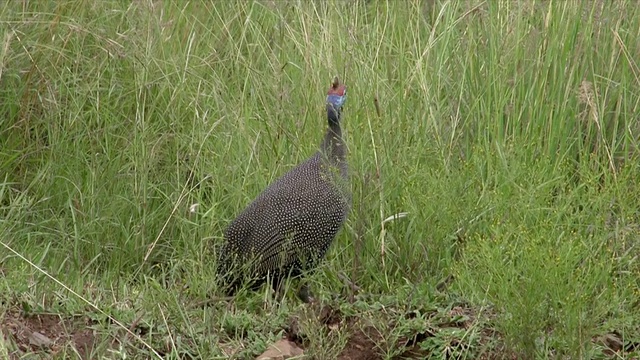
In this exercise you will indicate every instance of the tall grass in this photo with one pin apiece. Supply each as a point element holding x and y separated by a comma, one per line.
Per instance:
<point>507,130</point>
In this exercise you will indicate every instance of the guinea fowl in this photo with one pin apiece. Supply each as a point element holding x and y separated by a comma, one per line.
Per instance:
<point>290,226</point>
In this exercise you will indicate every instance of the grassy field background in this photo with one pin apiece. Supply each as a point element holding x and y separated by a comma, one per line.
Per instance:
<point>507,130</point>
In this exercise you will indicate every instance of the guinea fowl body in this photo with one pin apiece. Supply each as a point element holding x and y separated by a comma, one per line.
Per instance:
<point>290,226</point>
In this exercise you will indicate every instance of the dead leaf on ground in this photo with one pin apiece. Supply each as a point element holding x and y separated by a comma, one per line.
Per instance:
<point>283,349</point>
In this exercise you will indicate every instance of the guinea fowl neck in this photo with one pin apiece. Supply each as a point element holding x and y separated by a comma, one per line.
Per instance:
<point>332,145</point>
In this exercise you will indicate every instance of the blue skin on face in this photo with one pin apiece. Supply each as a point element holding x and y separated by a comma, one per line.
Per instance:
<point>336,100</point>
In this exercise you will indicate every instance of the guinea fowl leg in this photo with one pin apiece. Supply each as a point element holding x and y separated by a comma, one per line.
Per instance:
<point>305,294</point>
<point>277,284</point>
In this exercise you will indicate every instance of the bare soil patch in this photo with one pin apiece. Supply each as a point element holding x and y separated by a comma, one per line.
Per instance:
<point>51,334</point>
<point>47,333</point>
<point>361,346</point>
<point>365,341</point>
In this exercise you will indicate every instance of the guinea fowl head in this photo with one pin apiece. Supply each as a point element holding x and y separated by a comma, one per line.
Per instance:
<point>336,97</point>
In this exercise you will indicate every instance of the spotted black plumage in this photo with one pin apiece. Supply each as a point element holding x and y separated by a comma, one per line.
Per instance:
<point>290,226</point>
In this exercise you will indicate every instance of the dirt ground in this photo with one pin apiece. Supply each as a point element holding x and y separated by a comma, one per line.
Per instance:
<point>50,334</point>
<point>364,339</point>
<point>47,333</point>
<point>361,344</point>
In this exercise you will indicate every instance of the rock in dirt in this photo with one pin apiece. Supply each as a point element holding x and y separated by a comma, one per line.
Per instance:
<point>283,349</point>
<point>612,341</point>
<point>39,340</point>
